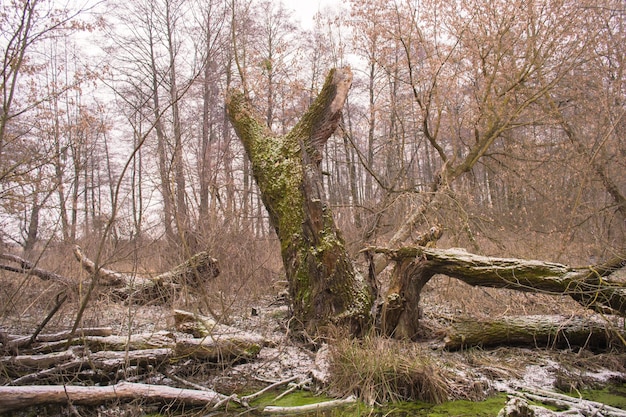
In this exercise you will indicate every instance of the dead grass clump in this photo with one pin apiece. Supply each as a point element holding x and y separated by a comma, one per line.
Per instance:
<point>380,370</point>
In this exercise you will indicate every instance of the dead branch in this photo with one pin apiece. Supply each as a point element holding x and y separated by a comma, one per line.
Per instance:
<point>326,405</point>
<point>15,398</point>
<point>562,401</point>
<point>26,267</point>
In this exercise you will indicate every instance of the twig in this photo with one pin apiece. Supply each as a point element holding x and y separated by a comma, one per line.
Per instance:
<point>270,409</point>
<point>293,388</point>
<point>60,299</point>
<point>269,387</point>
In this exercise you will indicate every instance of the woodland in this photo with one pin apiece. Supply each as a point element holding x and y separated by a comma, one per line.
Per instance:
<point>202,202</point>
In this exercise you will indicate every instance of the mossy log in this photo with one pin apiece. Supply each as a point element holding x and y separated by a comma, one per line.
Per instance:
<point>591,286</point>
<point>536,331</point>
<point>195,271</point>
<point>324,286</point>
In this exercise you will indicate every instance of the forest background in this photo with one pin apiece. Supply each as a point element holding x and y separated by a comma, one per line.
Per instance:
<point>114,134</point>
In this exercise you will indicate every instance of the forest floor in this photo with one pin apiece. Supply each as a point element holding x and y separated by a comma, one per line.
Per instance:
<point>473,374</point>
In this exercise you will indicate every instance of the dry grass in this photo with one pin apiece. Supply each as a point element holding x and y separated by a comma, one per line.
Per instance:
<point>380,370</point>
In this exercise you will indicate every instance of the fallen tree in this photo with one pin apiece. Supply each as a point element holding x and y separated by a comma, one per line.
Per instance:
<point>24,266</point>
<point>534,331</point>
<point>194,271</point>
<point>593,286</point>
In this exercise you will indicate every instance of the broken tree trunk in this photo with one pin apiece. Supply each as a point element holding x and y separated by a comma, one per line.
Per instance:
<point>538,331</point>
<point>194,272</point>
<point>415,266</point>
<point>324,286</point>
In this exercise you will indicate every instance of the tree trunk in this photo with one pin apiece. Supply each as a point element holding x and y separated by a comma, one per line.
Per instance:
<point>538,331</point>
<point>15,398</point>
<point>194,272</point>
<point>324,286</point>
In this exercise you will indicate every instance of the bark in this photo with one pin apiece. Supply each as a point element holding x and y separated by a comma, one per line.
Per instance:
<point>195,271</point>
<point>399,303</point>
<point>324,286</point>
<point>14,343</point>
<point>590,286</point>
<point>586,285</point>
<point>15,398</point>
<point>538,331</point>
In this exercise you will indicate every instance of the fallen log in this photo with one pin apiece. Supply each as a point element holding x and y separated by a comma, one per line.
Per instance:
<point>234,348</point>
<point>195,271</point>
<point>13,343</point>
<point>105,362</point>
<point>200,326</point>
<point>15,398</point>
<point>194,324</point>
<point>538,331</point>
<point>242,345</point>
<point>161,339</point>
<point>29,362</point>
<point>587,285</point>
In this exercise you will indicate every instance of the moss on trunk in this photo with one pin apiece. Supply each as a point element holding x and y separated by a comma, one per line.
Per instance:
<point>324,285</point>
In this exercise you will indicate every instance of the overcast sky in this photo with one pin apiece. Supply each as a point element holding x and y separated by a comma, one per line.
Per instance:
<point>306,9</point>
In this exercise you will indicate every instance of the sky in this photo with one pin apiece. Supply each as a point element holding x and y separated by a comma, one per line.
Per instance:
<point>306,9</point>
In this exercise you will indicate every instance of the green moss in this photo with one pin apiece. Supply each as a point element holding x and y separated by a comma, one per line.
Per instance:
<point>486,408</point>
<point>613,395</point>
<point>280,172</point>
<point>459,408</point>
<point>295,399</point>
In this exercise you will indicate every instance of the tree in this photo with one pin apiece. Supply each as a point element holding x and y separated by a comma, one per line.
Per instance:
<point>36,42</point>
<point>325,287</point>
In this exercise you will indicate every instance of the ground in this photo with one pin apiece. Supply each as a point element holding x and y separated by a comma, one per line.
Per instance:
<point>473,374</point>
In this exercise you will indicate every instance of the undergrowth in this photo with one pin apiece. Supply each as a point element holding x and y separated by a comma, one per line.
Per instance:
<point>379,371</point>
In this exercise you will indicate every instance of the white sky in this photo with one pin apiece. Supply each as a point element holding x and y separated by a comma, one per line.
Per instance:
<point>306,9</point>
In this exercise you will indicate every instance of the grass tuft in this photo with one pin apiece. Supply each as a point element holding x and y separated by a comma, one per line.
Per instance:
<point>379,371</point>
